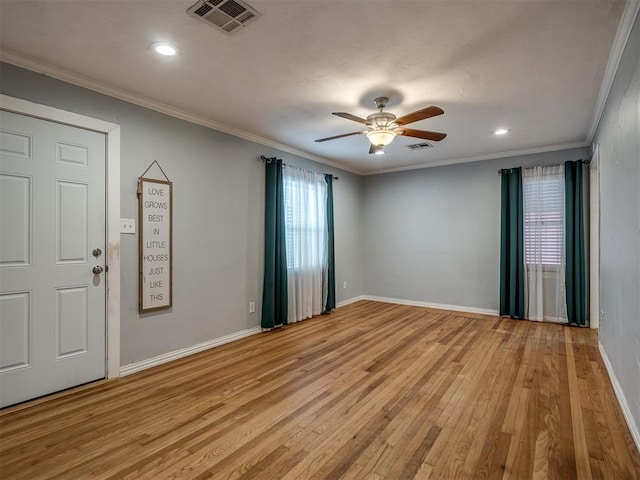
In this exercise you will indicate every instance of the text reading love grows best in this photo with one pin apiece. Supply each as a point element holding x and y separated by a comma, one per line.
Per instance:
<point>156,244</point>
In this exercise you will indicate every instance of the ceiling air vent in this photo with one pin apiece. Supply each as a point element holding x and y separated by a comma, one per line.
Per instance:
<point>225,15</point>
<point>420,146</point>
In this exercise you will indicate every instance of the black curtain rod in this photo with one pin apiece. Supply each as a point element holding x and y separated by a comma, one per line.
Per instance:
<point>509,169</point>
<point>271,159</point>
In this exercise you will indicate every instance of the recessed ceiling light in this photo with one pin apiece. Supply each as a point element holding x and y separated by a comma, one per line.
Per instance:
<point>501,131</point>
<point>165,49</point>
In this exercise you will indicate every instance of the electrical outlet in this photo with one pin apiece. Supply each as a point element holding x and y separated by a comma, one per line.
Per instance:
<point>344,285</point>
<point>128,226</point>
<point>252,307</point>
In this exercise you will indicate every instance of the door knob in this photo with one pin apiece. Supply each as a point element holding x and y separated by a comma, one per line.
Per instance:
<point>97,270</point>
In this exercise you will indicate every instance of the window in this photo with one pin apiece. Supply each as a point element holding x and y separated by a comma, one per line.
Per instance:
<point>305,201</point>
<point>543,206</point>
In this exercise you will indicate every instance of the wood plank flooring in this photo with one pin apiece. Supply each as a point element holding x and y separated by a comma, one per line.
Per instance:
<point>372,391</point>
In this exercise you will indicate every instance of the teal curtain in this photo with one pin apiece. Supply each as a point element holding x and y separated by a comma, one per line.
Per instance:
<point>511,245</point>
<point>274,292</point>
<point>576,189</point>
<point>331,281</point>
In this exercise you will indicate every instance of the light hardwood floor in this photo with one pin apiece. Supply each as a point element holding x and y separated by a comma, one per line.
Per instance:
<point>371,391</point>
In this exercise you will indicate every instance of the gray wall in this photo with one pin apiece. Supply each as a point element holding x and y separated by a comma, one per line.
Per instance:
<point>619,138</point>
<point>432,235</point>
<point>218,217</point>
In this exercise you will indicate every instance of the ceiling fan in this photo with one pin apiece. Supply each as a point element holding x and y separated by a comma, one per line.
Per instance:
<point>383,127</point>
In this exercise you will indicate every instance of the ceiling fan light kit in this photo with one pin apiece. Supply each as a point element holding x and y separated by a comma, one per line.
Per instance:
<point>383,127</point>
<point>380,136</point>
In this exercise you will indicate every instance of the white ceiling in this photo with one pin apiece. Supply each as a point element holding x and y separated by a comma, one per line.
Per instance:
<point>535,67</point>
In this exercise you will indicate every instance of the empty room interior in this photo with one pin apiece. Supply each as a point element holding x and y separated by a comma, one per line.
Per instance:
<point>319,239</point>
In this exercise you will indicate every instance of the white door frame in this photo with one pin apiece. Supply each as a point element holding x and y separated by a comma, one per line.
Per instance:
<point>112,132</point>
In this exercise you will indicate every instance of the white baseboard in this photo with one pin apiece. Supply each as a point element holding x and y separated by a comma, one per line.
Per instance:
<point>440,306</point>
<point>350,301</point>
<point>184,352</point>
<point>622,401</point>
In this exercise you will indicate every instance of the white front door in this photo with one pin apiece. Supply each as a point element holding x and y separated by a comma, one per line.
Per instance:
<point>52,235</point>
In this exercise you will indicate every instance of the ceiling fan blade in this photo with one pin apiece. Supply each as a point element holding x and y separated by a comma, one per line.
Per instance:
<point>410,132</point>
<point>348,116</point>
<point>338,136</point>
<point>421,114</point>
<point>376,149</point>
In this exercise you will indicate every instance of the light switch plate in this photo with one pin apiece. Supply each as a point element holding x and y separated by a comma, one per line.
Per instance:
<point>128,225</point>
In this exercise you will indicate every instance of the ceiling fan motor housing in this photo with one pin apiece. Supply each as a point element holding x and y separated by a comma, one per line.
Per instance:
<point>380,102</point>
<point>382,129</point>
<point>381,125</point>
<point>381,120</point>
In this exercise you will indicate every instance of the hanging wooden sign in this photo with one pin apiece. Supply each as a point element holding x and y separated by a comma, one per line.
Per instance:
<point>155,216</point>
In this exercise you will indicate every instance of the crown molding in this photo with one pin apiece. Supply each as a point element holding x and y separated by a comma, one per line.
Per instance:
<point>493,156</point>
<point>619,43</point>
<point>69,76</point>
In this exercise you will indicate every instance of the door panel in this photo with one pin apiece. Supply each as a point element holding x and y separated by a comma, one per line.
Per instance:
<point>74,155</point>
<point>71,222</point>
<point>15,144</point>
<point>72,321</point>
<point>52,215</point>
<point>15,220</point>
<point>15,331</point>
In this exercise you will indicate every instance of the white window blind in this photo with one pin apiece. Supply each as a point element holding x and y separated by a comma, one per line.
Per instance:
<point>543,205</point>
